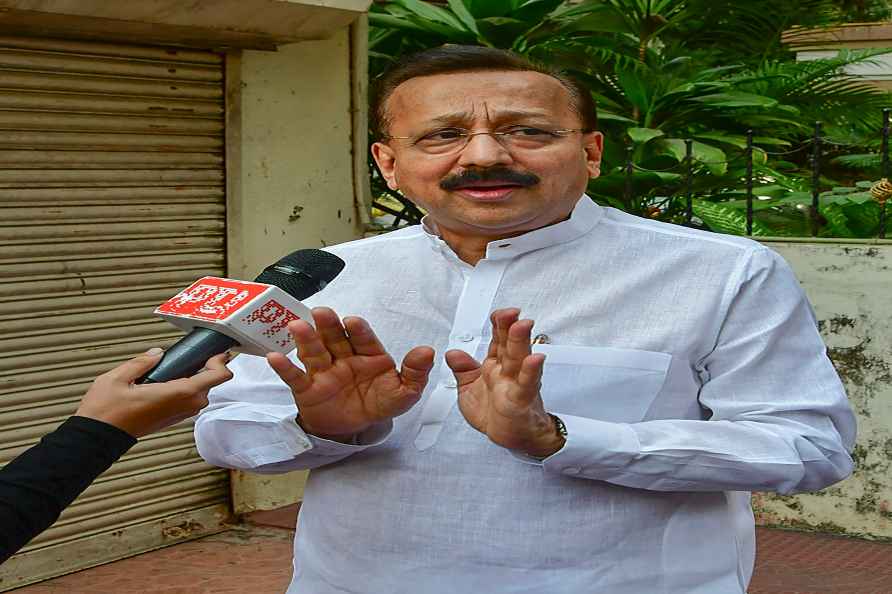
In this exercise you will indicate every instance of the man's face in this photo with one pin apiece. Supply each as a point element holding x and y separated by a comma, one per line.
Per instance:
<point>487,188</point>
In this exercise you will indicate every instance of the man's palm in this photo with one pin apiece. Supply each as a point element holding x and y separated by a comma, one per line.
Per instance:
<point>350,381</point>
<point>500,397</point>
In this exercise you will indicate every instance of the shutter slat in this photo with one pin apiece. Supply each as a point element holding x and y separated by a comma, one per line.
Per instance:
<point>170,195</point>
<point>83,269</point>
<point>30,178</point>
<point>63,122</point>
<point>124,212</point>
<point>17,296</point>
<point>40,307</point>
<point>40,139</point>
<point>172,243</point>
<point>37,159</point>
<point>43,61</point>
<point>136,87</point>
<point>170,54</point>
<point>74,103</point>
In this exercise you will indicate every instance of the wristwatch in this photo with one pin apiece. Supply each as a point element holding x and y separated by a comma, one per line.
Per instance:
<point>559,425</point>
<point>561,430</point>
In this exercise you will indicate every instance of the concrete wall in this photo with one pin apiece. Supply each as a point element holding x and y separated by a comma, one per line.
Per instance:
<point>851,36</point>
<point>290,178</point>
<point>295,188</point>
<point>849,286</point>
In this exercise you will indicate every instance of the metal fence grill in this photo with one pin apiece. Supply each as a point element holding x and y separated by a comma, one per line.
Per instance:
<point>881,191</point>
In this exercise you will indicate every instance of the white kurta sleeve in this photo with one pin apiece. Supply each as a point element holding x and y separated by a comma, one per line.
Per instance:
<point>779,419</point>
<point>250,425</point>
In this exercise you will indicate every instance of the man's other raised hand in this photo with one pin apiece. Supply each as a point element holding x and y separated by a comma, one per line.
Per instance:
<point>500,397</point>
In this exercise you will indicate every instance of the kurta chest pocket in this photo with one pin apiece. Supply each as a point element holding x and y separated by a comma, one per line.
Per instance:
<point>608,384</point>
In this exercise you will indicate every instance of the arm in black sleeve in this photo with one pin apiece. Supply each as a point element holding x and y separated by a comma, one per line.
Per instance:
<point>36,486</point>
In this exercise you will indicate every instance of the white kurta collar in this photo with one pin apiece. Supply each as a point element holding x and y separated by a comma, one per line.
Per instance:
<point>584,217</point>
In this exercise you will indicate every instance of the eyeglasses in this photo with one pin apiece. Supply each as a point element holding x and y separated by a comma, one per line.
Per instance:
<point>446,141</point>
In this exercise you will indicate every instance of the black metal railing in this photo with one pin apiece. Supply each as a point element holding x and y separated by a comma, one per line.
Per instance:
<point>410,214</point>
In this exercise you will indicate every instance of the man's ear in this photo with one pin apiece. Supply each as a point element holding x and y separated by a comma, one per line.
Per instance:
<point>386,160</point>
<point>593,147</point>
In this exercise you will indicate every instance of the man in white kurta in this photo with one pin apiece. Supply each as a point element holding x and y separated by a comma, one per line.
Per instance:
<point>685,368</point>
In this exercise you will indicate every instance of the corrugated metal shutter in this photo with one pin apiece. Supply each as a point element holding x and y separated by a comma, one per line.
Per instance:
<point>111,200</point>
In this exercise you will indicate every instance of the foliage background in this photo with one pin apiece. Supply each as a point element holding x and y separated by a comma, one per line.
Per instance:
<point>663,71</point>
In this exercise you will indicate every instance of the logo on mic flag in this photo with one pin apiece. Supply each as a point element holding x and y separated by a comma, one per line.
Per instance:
<point>211,298</point>
<point>274,317</point>
<point>255,314</point>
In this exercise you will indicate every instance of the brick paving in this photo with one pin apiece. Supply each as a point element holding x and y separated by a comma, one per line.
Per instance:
<point>255,558</point>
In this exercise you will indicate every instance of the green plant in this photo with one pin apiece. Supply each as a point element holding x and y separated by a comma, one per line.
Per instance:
<point>667,71</point>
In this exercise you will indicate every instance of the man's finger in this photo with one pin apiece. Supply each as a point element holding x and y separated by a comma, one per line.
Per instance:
<point>465,369</point>
<point>137,367</point>
<point>290,373</point>
<point>416,368</point>
<point>501,321</point>
<point>530,375</point>
<point>330,329</point>
<point>362,337</point>
<point>310,348</point>
<point>516,348</point>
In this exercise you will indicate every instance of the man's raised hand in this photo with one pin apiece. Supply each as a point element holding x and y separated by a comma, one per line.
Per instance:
<point>350,382</point>
<point>500,398</point>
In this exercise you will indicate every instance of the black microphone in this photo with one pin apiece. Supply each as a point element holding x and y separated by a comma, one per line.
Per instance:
<point>300,274</point>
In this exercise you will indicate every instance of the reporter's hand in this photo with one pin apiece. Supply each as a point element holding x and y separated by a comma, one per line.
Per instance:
<point>350,381</point>
<point>140,409</point>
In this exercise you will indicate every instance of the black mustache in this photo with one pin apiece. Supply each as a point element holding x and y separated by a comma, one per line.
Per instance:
<point>495,174</point>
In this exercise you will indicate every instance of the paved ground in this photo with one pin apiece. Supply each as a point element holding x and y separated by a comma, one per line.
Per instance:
<point>256,559</point>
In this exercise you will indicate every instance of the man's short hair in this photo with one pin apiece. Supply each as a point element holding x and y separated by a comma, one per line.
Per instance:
<point>450,59</point>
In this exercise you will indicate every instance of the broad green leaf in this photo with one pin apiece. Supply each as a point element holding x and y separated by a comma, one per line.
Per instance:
<point>461,11</point>
<point>534,12</point>
<point>758,204</point>
<point>482,9</point>
<point>376,19</point>
<point>714,159</point>
<point>381,56</point>
<point>614,183</point>
<point>722,218</point>
<point>837,222</point>
<point>643,135</point>
<point>863,217</point>
<point>767,121</point>
<point>860,161</point>
<point>739,140</point>
<point>736,99</point>
<point>431,12</point>
<point>862,198</point>
<point>760,157</point>
<point>636,89</point>
<point>607,116</point>
<point>670,178</point>
<point>603,21</point>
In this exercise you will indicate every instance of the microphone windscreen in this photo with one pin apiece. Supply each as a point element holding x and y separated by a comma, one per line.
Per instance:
<point>302,273</point>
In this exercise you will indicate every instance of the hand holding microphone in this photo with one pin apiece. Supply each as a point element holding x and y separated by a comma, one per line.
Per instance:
<point>253,317</point>
<point>139,410</point>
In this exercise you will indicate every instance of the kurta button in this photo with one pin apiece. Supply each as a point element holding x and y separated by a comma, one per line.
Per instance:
<point>450,383</point>
<point>466,337</point>
<point>572,470</point>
